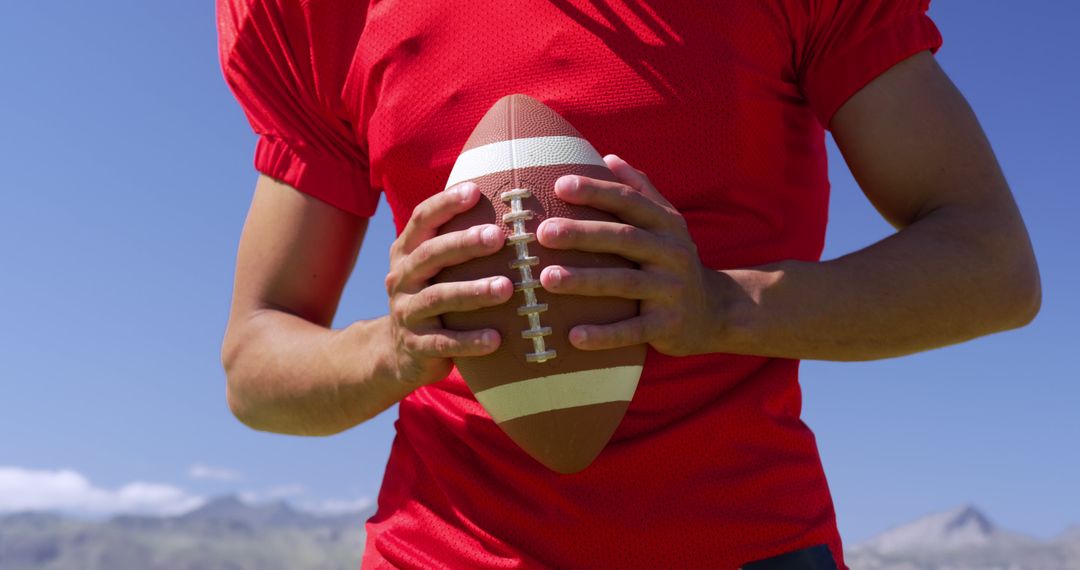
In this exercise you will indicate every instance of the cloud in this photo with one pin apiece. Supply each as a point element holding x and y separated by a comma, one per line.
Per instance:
<point>206,472</point>
<point>69,491</point>
<point>295,493</point>
<point>275,493</point>
<point>336,506</point>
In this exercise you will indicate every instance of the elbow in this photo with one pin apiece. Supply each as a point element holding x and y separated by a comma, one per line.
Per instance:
<point>1028,299</point>
<point>230,362</point>
<point>1021,291</point>
<point>253,404</point>
<point>236,404</point>
<point>1004,286</point>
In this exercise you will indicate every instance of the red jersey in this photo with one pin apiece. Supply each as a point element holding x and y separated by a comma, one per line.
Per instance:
<point>724,106</point>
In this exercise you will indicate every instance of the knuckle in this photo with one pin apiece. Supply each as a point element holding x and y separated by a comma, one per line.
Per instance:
<point>627,236</point>
<point>423,254</point>
<point>419,214</point>
<point>668,322</point>
<point>422,302</point>
<point>582,280</point>
<point>442,345</point>
<point>458,297</point>
<point>634,281</point>
<point>410,343</point>
<point>677,288</point>
<point>398,311</point>
<point>678,221</point>
<point>679,252</point>
<point>442,299</point>
<point>468,239</point>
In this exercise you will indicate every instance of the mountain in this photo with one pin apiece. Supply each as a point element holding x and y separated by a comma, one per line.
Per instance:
<point>964,527</point>
<point>962,539</point>
<point>226,533</point>
<point>230,534</point>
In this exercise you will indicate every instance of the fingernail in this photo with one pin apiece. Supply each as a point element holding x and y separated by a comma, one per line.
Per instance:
<point>462,190</point>
<point>555,275</point>
<point>551,230</point>
<point>487,338</point>
<point>567,183</point>
<point>489,235</point>
<point>578,336</point>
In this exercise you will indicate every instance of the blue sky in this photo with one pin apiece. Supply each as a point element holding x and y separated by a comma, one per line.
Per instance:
<point>126,176</point>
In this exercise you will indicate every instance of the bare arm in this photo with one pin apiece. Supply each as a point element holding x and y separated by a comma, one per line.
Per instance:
<point>289,372</point>
<point>285,366</point>
<point>960,266</point>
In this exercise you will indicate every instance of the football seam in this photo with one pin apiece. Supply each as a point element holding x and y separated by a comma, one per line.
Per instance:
<point>523,261</point>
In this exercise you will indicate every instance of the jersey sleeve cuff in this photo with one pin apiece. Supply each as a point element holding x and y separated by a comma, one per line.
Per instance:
<point>830,85</point>
<point>342,185</point>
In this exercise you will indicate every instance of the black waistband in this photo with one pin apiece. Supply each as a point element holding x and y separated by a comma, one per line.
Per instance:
<point>813,558</point>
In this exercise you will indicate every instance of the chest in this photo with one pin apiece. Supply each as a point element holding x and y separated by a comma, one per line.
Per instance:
<point>692,93</point>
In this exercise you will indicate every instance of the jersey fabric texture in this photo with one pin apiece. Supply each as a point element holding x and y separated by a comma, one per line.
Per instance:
<point>724,106</point>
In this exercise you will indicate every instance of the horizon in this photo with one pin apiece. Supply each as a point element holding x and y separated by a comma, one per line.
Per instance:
<point>950,515</point>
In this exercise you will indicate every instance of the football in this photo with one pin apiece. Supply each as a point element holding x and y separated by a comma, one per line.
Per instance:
<point>559,404</point>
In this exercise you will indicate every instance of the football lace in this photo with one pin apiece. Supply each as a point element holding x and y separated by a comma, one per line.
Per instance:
<point>524,263</point>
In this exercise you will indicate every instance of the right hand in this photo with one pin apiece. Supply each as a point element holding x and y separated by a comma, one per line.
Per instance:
<point>422,349</point>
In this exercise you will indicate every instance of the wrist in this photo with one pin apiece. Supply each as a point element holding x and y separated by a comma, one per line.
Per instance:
<point>372,374</point>
<point>739,311</point>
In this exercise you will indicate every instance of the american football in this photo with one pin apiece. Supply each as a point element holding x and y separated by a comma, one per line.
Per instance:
<point>559,404</point>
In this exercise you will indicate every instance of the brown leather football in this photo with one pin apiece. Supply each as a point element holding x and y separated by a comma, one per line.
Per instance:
<point>560,404</point>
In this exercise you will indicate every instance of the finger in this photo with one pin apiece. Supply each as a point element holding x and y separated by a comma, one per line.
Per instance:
<point>431,256</point>
<point>457,297</point>
<point>628,241</point>
<point>435,211</point>
<point>616,282</point>
<point>626,203</point>
<point>442,343</point>
<point>630,332</point>
<point>635,179</point>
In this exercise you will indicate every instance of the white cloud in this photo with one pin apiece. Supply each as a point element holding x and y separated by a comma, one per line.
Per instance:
<point>69,491</point>
<point>207,472</point>
<point>336,506</point>
<point>275,493</point>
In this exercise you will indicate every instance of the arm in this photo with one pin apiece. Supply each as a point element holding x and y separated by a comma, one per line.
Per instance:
<point>286,370</point>
<point>959,267</point>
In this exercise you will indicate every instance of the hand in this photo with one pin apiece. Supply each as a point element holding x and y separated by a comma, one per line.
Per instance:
<point>675,291</point>
<point>422,349</point>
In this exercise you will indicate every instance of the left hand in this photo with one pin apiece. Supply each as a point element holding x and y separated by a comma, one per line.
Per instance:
<point>677,293</point>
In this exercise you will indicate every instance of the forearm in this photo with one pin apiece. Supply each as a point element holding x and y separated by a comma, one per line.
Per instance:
<point>944,279</point>
<point>288,375</point>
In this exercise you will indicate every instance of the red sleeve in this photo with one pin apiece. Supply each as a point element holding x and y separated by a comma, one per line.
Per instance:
<point>286,62</point>
<point>842,45</point>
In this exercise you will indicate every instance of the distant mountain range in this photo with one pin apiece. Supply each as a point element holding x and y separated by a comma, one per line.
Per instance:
<point>224,534</point>
<point>230,534</point>
<point>963,539</point>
